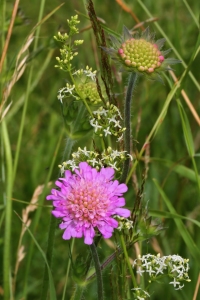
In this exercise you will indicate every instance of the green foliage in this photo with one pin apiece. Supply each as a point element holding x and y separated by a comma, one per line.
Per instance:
<point>37,130</point>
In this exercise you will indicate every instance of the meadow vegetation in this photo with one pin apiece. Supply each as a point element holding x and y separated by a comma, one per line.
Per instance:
<point>164,182</point>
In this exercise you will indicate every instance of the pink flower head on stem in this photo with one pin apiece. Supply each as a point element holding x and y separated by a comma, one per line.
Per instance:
<point>88,200</point>
<point>141,54</point>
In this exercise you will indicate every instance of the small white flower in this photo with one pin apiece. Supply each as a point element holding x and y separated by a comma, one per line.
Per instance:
<point>70,89</point>
<point>150,271</point>
<point>107,131</point>
<point>180,287</point>
<point>146,264</point>
<point>90,74</point>
<point>120,138</point>
<point>117,124</point>
<point>112,119</point>
<point>93,161</point>
<point>84,151</point>
<point>60,97</point>
<point>100,112</point>
<point>113,165</point>
<point>159,270</point>
<point>95,125</point>
<point>115,153</point>
<point>140,271</point>
<point>129,224</point>
<point>175,283</point>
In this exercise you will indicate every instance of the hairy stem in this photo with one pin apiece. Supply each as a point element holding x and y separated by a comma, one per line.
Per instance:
<point>127,124</point>
<point>97,266</point>
<point>79,291</point>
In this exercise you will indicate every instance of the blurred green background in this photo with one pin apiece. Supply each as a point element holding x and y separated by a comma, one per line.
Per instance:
<point>44,126</point>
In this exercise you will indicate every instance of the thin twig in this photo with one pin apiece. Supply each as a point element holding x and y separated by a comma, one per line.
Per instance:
<point>14,13</point>
<point>196,288</point>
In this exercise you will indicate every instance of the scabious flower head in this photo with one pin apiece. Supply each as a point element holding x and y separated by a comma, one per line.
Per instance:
<point>86,201</point>
<point>140,54</point>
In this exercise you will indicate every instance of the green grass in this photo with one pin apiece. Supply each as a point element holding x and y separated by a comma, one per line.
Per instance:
<point>33,141</point>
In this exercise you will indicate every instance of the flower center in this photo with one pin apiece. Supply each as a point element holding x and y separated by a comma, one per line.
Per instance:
<point>141,54</point>
<point>88,201</point>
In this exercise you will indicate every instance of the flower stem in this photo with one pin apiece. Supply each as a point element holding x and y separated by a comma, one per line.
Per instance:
<point>128,261</point>
<point>79,291</point>
<point>127,124</point>
<point>98,271</point>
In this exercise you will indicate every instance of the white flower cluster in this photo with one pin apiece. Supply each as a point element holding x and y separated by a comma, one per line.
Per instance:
<point>108,158</point>
<point>140,294</point>
<point>87,72</point>
<point>65,91</point>
<point>108,122</point>
<point>84,87</point>
<point>173,266</point>
<point>123,223</point>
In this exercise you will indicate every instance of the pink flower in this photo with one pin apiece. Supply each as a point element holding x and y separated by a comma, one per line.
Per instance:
<point>141,54</point>
<point>87,200</point>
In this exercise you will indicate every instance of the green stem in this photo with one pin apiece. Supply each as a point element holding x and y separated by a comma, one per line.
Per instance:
<point>79,291</point>
<point>8,214</point>
<point>128,261</point>
<point>97,266</point>
<point>127,124</point>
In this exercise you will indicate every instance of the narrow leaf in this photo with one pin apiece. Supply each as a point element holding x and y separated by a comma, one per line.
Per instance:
<point>192,247</point>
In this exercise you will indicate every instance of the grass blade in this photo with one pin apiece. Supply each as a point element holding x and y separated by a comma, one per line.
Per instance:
<point>179,169</point>
<point>188,140</point>
<point>8,212</point>
<point>165,214</point>
<point>52,291</point>
<point>186,130</point>
<point>193,249</point>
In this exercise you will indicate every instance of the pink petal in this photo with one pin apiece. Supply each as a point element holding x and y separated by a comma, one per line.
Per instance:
<point>107,173</point>
<point>89,234</point>
<point>123,212</point>
<point>67,234</point>
<point>68,174</point>
<point>122,188</point>
<point>58,214</point>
